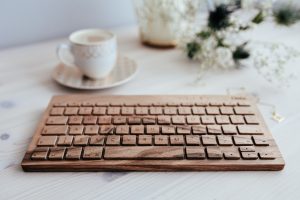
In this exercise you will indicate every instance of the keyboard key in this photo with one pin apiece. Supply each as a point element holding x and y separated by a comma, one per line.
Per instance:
<point>164,120</point>
<point>209,140</point>
<point>57,153</point>
<point>237,119</point>
<point>214,153</point>
<point>47,141</point>
<point>267,156</point>
<point>176,140</point>
<point>102,104</point>
<point>208,120</point>
<point>178,119</point>
<point>91,129</point>
<point>192,140</point>
<point>85,110</point>
<point>249,155</point>
<point>193,119</point>
<point>152,129</point>
<point>247,149</point>
<point>149,120</point>
<point>60,104</point>
<point>72,104</point>
<point>145,140</point>
<point>116,104</point>
<point>250,130</point>
<point>106,129</point>
<point>104,120</point>
<point>73,153</point>
<point>99,110</point>
<point>123,129</point>
<point>75,120</point>
<point>57,120</point>
<point>65,141</point>
<point>161,140</point>
<point>184,111</point>
<point>226,111</point>
<point>119,120</point>
<point>141,111</point>
<point>76,130</point>
<point>97,140</point>
<point>212,110</point>
<point>242,140</point>
<point>199,130</point>
<point>40,153</point>
<point>57,111</point>
<point>55,130</point>
<point>170,111</point>
<point>229,129</point>
<point>216,103</point>
<point>222,119</point>
<point>224,140</point>
<point>113,140</point>
<point>198,110</point>
<point>167,130</point>
<point>90,120</point>
<point>134,120</point>
<point>113,110</point>
<point>156,111</point>
<point>129,140</point>
<point>137,129</point>
<point>183,130</point>
<point>251,119</point>
<point>244,103</point>
<point>71,111</point>
<point>214,129</point>
<point>153,152</point>
<point>232,155</point>
<point>243,111</point>
<point>92,153</point>
<point>260,140</point>
<point>195,153</point>
<point>229,103</point>
<point>87,104</point>
<point>81,140</point>
<point>127,111</point>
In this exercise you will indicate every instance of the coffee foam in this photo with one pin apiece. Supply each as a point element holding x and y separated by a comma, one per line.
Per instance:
<point>90,36</point>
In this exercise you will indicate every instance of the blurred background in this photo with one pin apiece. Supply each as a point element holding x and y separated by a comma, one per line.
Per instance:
<point>30,21</point>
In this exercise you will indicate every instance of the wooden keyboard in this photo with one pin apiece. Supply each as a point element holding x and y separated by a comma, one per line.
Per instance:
<point>152,133</point>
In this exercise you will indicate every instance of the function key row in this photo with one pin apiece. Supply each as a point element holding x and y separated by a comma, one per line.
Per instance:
<point>200,103</point>
<point>161,120</point>
<point>151,111</point>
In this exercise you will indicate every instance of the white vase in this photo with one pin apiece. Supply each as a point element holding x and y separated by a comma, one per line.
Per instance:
<point>161,22</point>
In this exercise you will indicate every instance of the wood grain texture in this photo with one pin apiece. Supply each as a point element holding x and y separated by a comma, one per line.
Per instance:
<point>26,88</point>
<point>130,158</point>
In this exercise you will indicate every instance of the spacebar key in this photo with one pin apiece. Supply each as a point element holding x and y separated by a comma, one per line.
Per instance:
<point>156,152</point>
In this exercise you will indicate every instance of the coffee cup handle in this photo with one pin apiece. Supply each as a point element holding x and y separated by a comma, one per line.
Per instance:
<point>60,52</point>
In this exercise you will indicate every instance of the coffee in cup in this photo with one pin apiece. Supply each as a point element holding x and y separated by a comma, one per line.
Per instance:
<point>94,52</point>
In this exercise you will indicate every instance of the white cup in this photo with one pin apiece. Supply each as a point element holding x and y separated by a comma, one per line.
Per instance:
<point>94,52</point>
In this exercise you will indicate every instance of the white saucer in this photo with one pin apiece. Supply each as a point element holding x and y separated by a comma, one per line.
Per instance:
<point>69,76</point>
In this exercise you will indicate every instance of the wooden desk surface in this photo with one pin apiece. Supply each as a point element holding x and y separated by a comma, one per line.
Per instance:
<point>26,87</point>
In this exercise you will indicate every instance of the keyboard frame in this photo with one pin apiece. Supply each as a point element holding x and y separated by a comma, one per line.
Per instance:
<point>152,165</point>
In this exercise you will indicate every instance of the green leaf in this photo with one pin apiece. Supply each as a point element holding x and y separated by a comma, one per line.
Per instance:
<point>218,19</point>
<point>259,17</point>
<point>192,49</point>
<point>286,15</point>
<point>240,53</point>
<point>204,34</point>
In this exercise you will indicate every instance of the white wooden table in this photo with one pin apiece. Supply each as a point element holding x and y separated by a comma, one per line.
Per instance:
<point>26,88</point>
